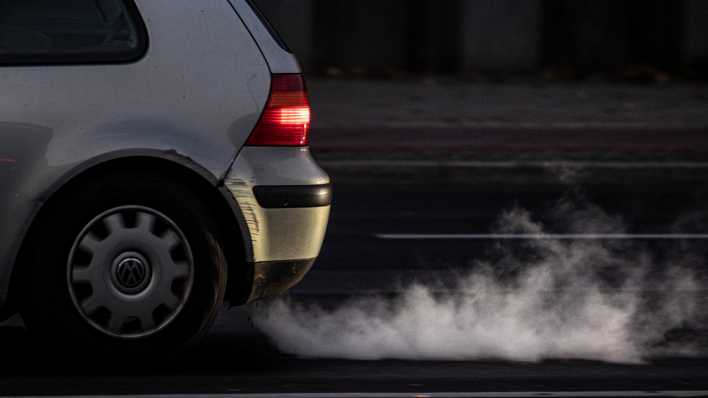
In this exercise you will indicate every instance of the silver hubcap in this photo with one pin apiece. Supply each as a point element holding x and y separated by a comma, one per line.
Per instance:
<point>130,272</point>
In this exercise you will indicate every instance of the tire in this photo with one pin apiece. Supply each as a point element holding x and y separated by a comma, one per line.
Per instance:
<point>59,305</point>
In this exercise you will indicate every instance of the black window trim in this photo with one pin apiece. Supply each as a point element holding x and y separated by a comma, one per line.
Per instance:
<point>269,26</point>
<point>90,58</point>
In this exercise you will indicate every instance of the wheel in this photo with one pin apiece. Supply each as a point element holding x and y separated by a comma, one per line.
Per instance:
<point>130,263</point>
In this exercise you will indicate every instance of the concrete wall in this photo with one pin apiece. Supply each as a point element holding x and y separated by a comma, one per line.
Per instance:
<point>361,34</point>
<point>467,36</point>
<point>500,35</point>
<point>695,47</point>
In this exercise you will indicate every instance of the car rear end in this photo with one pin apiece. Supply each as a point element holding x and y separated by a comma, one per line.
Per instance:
<point>283,195</point>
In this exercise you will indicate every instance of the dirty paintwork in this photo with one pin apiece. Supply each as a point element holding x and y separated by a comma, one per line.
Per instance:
<point>271,279</point>
<point>279,234</point>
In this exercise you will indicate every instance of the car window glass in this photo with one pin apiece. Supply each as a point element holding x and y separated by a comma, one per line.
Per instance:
<point>51,29</point>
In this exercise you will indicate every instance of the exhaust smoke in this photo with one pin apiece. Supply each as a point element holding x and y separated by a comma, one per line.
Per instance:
<point>530,300</point>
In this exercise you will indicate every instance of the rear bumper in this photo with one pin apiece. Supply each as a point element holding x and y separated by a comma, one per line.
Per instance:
<point>284,199</point>
<point>271,279</point>
<point>293,196</point>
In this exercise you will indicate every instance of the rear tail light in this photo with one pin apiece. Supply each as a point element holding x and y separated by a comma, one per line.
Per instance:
<point>286,118</point>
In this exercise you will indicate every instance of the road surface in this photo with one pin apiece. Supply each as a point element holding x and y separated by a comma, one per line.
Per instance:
<point>397,220</point>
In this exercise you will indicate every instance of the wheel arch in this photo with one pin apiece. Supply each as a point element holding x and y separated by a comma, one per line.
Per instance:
<point>209,188</point>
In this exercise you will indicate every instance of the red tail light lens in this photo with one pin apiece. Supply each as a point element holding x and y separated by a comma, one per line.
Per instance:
<point>286,118</point>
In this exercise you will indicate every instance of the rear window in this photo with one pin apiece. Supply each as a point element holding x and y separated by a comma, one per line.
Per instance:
<point>266,22</point>
<point>70,31</point>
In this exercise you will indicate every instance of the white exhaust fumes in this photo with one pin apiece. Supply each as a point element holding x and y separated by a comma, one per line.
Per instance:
<point>539,299</point>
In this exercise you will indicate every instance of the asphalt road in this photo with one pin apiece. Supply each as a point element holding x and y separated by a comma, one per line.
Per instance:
<point>236,359</point>
<point>233,362</point>
<point>405,220</point>
<point>413,218</point>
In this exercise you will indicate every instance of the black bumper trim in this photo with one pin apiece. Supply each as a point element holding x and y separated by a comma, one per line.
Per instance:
<point>295,196</point>
<point>271,279</point>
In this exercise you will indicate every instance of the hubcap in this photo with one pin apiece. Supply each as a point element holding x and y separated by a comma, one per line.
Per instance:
<point>130,272</point>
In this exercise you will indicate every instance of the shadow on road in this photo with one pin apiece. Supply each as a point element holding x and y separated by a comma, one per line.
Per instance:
<point>236,358</point>
<point>233,346</point>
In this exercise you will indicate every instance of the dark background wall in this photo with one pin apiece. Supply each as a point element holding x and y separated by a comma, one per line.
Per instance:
<point>466,37</point>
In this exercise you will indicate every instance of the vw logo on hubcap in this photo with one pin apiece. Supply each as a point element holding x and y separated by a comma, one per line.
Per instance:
<point>131,273</point>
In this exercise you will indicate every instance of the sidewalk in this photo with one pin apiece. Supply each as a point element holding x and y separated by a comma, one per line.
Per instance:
<point>411,119</point>
<point>454,104</point>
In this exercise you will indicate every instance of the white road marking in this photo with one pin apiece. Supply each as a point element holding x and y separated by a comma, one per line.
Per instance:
<point>520,394</point>
<point>514,164</point>
<point>542,236</point>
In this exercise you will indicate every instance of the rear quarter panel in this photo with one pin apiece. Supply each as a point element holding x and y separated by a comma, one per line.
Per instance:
<point>194,97</point>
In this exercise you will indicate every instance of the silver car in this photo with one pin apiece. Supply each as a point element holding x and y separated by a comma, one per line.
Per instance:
<point>154,165</point>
